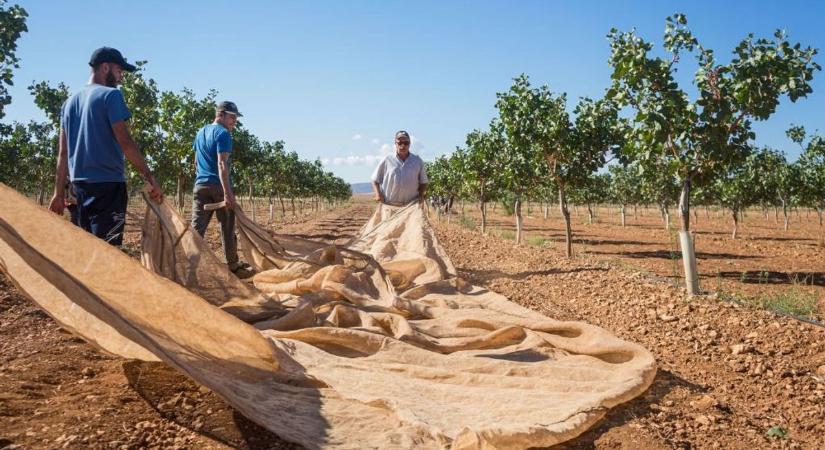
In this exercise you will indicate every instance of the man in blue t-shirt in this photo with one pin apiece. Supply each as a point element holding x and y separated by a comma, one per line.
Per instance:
<point>94,138</point>
<point>213,183</point>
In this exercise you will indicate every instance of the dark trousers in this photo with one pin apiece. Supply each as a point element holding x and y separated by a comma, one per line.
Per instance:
<point>101,209</point>
<point>208,193</point>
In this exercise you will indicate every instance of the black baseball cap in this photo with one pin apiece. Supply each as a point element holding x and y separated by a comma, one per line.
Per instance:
<point>230,107</point>
<point>110,55</point>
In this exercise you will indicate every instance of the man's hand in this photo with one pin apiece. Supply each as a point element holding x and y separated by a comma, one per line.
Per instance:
<point>229,200</point>
<point>156,194</point>
<point>57,204</point>
<point>378,197</point>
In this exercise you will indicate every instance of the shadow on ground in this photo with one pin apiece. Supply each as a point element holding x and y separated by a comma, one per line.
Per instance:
<point>619,416</point>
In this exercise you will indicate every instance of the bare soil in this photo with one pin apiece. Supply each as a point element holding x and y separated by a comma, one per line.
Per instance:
<point>763,261</point>
<point>728,374</point>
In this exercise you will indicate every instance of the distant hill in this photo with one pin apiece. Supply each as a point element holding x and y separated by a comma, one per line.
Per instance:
<point>361,188</point>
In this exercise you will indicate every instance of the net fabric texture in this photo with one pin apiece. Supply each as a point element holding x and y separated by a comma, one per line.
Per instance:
<point>374,345</point>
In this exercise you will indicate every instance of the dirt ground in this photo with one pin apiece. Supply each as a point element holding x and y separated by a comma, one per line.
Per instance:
<point>763,261</point>
<point>729,376</point>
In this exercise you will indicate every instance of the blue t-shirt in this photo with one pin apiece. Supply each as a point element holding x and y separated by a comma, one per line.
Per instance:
<point>210,140</point>
<point>87,118</point>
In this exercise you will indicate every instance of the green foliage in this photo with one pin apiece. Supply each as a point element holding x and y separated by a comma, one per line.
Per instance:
<point>467,222</point>
<point>777,432</point>
<point>624,187</point>
<point>539,241</point>
<point>811,168</point>
<point>699,140</point>
<point>12,26</point>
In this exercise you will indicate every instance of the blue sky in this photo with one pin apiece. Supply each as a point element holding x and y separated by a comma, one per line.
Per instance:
<point>336,79</point>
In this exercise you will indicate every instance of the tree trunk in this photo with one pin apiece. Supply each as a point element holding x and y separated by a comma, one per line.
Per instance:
<point>635,213</point>
<point>735,223</point>
<point>565,212</point>
<point>271,209</point>
<point>775,214</point>
<point>665,215</point>
<point>41,193</point>
<point>785,213</point>
<point>819,213</point>
<point>686,241</point>
<point>589,214</point>
<point>251,200</point>
<point>294,210</point>
<point>283,207</point>
<point>624,223</point>
<point>180,193</point>
<point>546,210</point>
<point>695,215</point>
<point>517,207</point>
<point>483,217</point>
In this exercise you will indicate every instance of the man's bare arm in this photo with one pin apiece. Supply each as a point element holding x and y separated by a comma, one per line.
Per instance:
<point>376,189</point>
<point>223,174</point>
<point>58,201</point>
<point>422,190</point>
<point>133,154</point>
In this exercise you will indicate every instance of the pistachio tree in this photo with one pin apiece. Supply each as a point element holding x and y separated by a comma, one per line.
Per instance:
<point>697,140</point>
<point>181,116</point>
<point>12,26</point>
<point>812,169</point>
<point>624,188</point>
<point>40,157</point>
<point>534,120</point>
<point>483,165</point>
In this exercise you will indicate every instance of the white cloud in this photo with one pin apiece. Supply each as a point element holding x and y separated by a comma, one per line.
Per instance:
<point>376,141</point>
<point>356,137</point>
<point>369,159</point>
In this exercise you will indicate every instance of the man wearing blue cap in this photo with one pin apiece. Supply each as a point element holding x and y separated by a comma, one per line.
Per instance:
<point>213,181</point>
<point>94,141</point>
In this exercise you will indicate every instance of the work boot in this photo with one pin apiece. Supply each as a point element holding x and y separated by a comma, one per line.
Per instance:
<point>242,270</point>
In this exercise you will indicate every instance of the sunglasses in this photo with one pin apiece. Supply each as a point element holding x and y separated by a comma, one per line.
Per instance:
<point>402,142</point>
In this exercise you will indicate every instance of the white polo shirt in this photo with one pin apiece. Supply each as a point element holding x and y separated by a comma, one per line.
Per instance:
<point>399,180</point>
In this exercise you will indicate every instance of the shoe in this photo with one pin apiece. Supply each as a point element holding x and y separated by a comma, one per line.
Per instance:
<point>242,270</point>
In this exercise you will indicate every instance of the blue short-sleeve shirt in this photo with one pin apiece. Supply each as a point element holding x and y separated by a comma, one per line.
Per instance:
<point>210,140</point>
<point>87,118</point>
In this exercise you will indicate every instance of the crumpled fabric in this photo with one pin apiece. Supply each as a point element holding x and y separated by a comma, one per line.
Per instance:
<point>376,344</point>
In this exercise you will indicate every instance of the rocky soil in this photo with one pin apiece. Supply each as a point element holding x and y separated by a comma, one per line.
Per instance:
<point>729,376</point>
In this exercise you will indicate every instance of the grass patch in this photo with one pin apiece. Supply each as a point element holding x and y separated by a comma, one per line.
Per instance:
<point>794,301</point>
<point>507,235</point>
<point>539,241</point>
<point>467,222</point>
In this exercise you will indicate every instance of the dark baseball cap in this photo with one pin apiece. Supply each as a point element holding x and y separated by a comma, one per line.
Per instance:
<point>110,55</point>
<point>229,107</point>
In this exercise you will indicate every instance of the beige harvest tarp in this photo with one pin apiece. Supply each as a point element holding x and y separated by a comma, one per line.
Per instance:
<point>372,345</point>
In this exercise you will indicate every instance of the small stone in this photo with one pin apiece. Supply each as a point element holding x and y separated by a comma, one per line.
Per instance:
<point>88,372</point>
<point>703,420</point>
<point>821,370</point>
<point>703,403</point>
<point>667,318</point>
<point>753,335</point>
<point>737,349</point>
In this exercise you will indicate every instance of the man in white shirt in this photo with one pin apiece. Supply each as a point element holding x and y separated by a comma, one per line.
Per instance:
<point>400,178</point>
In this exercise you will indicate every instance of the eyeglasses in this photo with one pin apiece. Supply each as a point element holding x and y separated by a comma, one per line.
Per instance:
<point>402,142</point>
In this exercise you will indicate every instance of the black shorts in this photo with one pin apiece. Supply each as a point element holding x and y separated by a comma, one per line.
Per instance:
<point>101,209</point>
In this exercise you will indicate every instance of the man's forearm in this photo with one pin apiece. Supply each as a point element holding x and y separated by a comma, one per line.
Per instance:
<point>422,190</point>
<point>223,174</point>
<point>134,156</point>
<point>62,173</point>
<point>375,188</point>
